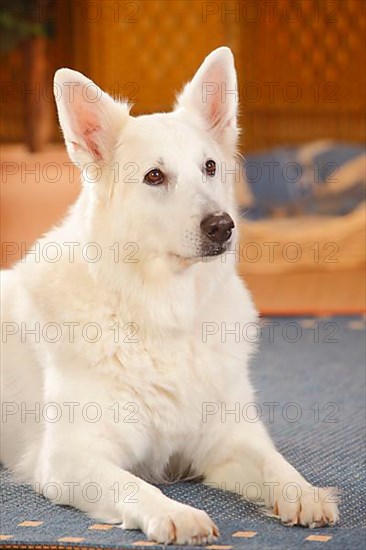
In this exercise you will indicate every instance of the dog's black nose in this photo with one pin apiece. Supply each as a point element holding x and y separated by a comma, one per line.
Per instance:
<point>218,227</point>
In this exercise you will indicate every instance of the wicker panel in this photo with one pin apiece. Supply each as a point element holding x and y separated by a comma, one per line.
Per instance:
<point>307,79</point>
<point>147,51</point>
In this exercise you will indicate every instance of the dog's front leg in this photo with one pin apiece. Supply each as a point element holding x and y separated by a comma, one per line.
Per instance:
<point>80,469</point>
<point>249,464</point>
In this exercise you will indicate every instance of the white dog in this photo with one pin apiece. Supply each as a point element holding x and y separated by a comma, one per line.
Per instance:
<point>113,323</point>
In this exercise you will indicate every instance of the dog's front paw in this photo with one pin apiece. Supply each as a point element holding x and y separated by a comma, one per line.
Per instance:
<point>305,505</point>
<point>181,525</point>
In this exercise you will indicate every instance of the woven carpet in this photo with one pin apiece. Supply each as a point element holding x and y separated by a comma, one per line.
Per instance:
<point>318,364</point>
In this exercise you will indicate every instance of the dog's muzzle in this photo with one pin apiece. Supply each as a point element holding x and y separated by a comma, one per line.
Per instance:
<point>217,230</point>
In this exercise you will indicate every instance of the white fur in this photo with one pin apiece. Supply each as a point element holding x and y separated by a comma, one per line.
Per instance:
<point>160,370</point>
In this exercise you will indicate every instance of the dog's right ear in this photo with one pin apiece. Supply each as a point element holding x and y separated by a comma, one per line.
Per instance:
<point>90,119</point>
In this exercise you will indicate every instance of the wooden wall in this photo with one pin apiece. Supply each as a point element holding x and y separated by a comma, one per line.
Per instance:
<point>301,64</point>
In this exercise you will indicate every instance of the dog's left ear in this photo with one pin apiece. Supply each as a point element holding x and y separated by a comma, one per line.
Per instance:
<point>212,95</point>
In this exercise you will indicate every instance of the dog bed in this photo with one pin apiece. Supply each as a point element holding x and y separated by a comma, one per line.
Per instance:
<point>302,236</point>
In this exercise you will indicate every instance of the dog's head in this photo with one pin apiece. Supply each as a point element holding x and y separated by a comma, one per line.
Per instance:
<point>162,181</point>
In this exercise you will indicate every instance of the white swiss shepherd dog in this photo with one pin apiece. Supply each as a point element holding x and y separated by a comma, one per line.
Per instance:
<point>122,379</point>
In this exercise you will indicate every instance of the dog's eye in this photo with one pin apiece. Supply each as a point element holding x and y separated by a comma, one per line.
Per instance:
<point>210,167</point>
<point>154,177</point>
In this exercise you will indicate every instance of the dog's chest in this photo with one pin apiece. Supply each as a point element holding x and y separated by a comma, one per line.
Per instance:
<point>158,394</point>
<point>175,375</point>
<point>159,384</point>
<point>165,383</point>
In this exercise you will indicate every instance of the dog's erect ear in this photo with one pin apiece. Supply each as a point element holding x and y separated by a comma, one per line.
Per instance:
<point>90,119</point>
<point>213,95</point>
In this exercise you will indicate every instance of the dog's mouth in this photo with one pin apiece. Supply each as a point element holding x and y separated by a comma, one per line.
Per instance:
<point>212,251</point>
<point>209,253</point>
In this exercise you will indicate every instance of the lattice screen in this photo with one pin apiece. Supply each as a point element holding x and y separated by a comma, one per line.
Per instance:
<point>301,63</point>
<point>152,50</point>
<point>308,60</point>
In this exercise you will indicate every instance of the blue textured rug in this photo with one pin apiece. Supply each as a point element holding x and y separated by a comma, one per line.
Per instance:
<point>319,364</point>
